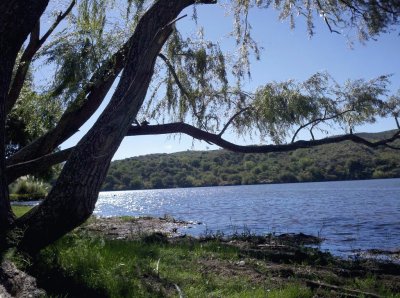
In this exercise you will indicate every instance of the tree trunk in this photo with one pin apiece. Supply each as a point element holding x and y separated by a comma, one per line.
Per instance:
<point>73,198</point>
<point>17,20</point>
<point>6,215</point>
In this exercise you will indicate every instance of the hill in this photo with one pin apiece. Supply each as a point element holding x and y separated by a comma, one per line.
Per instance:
<point>344,161</point>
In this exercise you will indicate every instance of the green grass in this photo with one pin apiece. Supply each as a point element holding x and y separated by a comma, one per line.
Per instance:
<point>154,267</point>
<point>20,210</point>
<point>151,268</point>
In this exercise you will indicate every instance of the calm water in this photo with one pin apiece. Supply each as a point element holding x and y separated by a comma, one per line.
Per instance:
<point>349,215</point>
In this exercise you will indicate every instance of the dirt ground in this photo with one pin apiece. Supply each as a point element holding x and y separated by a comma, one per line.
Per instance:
<point>131,228</point>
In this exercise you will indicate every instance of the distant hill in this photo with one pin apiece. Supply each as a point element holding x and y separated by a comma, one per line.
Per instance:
<point>344,161</point>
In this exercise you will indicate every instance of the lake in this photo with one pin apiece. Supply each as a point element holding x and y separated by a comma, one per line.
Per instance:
<point>350,215</point>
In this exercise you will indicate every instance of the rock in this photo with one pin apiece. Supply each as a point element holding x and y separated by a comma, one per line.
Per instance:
<point>16,283</point>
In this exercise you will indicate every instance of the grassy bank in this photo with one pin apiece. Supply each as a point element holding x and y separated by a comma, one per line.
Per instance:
<point>91,264</point>
<point>155,266</point>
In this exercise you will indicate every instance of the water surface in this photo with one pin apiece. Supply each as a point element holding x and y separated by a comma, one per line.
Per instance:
<point>350,215</point>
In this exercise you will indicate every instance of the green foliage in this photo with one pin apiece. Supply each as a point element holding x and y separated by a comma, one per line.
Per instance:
<point>77,51</point>
<point>32,115</point>
<point>185,169</point>
<point>195,83</point>
<point>280,110</point>
<point>368,18</point>
<point>26,189</point>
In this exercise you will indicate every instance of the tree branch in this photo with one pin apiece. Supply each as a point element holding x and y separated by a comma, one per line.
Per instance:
<point>39,164</point>
<point>199,134</point>
<point>233,118</point>
<point>44,162</point>
<point>60,17</point>
<point>317,120</point>
<point>174,74</point>
<point>35,43</point>
<point>326,19</point>
<point>85,104</point>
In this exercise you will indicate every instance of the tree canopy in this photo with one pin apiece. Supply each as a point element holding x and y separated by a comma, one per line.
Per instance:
<point>186,84</point>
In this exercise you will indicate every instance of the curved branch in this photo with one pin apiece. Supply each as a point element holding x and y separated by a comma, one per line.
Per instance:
<point>199,134</point>
<point>44,162</point>
<point>233,118</point>
<point>34,45</point>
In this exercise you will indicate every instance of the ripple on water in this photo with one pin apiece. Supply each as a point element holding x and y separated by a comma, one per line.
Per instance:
<point>350,214</point>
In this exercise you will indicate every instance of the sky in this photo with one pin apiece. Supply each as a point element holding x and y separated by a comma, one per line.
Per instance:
<point>287,54</point>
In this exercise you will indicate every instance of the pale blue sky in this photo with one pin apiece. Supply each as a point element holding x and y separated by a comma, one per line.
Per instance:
<point>287,54</point>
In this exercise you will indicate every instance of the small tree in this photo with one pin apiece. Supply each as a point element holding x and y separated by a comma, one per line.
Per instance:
<point>152,57</point>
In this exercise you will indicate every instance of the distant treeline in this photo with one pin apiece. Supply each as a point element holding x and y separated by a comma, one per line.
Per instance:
<point>344,161</point>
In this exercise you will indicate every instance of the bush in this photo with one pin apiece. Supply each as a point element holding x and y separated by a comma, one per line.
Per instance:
<point>28,190</point>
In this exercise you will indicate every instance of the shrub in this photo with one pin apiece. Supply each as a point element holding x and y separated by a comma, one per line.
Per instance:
<point>26,189</point>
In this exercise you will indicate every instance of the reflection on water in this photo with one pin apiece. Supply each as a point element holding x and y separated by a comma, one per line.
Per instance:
<point>350,215</point>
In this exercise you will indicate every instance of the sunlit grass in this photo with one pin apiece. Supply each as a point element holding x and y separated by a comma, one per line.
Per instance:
<point>155,267</point>
<point>150,269</point>
<point>20,210</point>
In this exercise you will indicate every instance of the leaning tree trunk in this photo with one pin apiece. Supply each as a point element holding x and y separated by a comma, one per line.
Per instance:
<point>6,216</point>
<point>17,19</point>
<point>73,198</point>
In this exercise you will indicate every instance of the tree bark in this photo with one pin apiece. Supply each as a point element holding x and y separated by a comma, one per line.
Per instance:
<point>6,215</point>
<point>17,20</point>
<point>73,198</point>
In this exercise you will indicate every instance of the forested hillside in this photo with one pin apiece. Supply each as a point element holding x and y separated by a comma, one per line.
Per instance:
<point>208,168</point>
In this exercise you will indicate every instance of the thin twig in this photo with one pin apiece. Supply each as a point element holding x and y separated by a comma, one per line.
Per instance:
<point>233,118</point>
<point>326,19</point>
<point>318,120</point>
<point>174,74</point>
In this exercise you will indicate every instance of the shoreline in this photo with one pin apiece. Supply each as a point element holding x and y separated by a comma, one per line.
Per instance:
<point>251,184</point>
<point>126,226</point>
<point>254,266</point>
<point>130,227</point>
<point>151,257</point>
